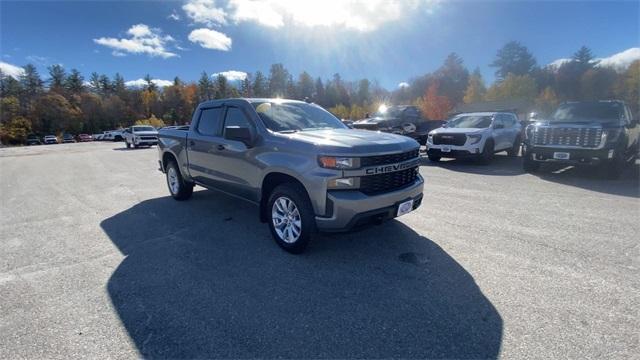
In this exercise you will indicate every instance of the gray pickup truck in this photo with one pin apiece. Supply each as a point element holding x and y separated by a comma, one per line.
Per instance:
<point>305,170</point>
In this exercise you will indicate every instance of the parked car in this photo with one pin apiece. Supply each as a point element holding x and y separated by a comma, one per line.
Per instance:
<point>68,138</point>
<point>97,137</point>
<point>304,168</point>
<point>603,133</point>
<point>140,135</point>
<point>85,138</point>
<point>478,135</point>
<point>114,135</point>
<point>401,119</point>
<point>33,139</point>
<point>50,139</point>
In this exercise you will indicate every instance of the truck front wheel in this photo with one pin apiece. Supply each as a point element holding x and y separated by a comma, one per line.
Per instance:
<point>178,187</point>
<point>291,217</point>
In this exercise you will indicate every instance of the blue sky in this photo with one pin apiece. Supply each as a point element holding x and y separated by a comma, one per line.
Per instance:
<point>383,40</point>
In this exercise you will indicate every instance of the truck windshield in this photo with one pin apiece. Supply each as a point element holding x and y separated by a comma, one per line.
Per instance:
<point>143,128</point>
<point>588,111</point>
<point>470,122</point>
<point>293,116</point>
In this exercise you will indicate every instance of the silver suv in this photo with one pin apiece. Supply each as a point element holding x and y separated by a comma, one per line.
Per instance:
<point>305,170</point>
<point>478,135</point>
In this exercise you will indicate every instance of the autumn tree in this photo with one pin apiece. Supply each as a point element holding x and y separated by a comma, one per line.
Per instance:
<point>53,113</point>
<point>547,102</point>
<point>513,87</point>
<point>475,88</point>
<point>434,105</point>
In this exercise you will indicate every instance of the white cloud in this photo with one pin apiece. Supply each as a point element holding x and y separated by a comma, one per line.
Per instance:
<point>11,70</point>
<point>174,16</point>
<point>210,39</point>
<point>232,75</point>
<point>361,15</point>
<point>403,85</point>
<point>621,60</point>
<point>142,40</point>
<point>205,12</point>
<point>142,82</point>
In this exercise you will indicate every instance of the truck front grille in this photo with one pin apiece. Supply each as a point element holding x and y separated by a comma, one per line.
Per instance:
<point>389,159</point>
<point>449,139</point>
<point>586,137</point>
<point>151,137</point>
<point>377,184</point>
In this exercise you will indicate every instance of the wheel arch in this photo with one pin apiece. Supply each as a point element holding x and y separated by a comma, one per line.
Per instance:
<point>269,182</point>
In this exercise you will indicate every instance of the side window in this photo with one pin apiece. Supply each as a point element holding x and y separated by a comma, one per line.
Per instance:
<point>235,117</point>
<point>209,123</point>
<point>498,120</point>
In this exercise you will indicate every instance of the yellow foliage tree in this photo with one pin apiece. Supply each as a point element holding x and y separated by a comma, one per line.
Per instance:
<point>475,89</point>
<point>152,121</point>
<point>513,87</point>
<point>547,101</point>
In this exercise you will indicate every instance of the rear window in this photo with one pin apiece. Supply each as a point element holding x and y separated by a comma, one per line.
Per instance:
<point>209,123</point>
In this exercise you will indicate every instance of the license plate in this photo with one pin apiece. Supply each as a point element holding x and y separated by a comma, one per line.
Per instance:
<point>405,207</point>
<point>561,155</point>
<point>446,149</point>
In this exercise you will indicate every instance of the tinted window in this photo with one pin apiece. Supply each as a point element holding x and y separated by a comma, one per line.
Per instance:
<point>209,123</point>
<point>235,117</point>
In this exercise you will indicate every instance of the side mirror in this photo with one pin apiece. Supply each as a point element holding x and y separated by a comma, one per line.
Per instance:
<point>238,133</point>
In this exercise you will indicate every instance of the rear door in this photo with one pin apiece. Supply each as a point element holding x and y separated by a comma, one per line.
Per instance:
<point>203,144</point>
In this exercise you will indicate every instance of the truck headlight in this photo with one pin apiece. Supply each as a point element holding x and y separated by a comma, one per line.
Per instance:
<point>474,139</point>
<point>333,162</point>
<point>342,183</point>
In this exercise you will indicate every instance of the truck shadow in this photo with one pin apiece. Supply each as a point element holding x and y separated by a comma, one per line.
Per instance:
<point>203,279</point>
<point>588,178</point>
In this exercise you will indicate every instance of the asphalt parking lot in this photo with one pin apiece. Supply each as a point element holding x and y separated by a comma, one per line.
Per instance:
<point>96,260</point>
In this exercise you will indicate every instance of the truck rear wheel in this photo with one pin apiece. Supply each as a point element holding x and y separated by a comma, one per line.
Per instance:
<point>178,187</point>
<point>291,217</point>
<point>515,149</point>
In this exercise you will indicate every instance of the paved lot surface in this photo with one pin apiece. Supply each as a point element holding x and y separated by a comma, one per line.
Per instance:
<point>97,261</point>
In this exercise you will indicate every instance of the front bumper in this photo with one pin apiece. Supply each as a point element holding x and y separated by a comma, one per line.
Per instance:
<point>350,209</point>
<point>576,156</point>
<point>455,151</point>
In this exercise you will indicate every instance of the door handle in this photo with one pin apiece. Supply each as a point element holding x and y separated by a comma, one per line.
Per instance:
<point>220,147</point>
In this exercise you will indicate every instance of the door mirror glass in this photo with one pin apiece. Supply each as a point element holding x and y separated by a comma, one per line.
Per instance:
<point>238,133</point>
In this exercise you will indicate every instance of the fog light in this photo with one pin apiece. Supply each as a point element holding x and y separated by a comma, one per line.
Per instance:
<point>341,183</point>
<point>610,155</point>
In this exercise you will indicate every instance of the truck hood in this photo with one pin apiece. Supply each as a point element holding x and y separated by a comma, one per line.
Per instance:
<point>585,123</point>
<point>143,133</point>
<point>354,142</point>
<point>443,130</point>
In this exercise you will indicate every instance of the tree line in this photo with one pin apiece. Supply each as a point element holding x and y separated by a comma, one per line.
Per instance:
<point>66,102</point>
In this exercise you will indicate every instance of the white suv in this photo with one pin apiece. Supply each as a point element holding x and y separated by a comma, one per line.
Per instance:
<point>478,135</point>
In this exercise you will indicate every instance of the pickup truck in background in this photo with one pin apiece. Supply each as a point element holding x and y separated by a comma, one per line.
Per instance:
<point>140,135</point>
<point>600,133</point>
<point>302,166</point>
<point>398,119</point>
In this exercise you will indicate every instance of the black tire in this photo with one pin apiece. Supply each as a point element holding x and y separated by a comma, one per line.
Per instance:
<point>434,158</point>
<point>613,169</point>
<point>487,152</point>
<point>180,189</point>
<point>529,165</point>
<point>118,138</point>
<point>296,194</point>
<point>515,149</point>
<point>128,145</point>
